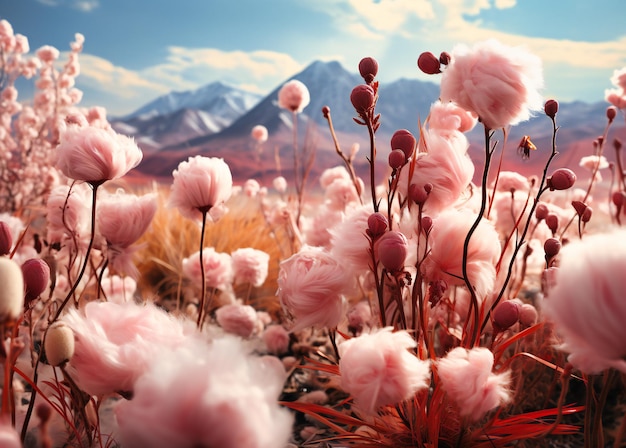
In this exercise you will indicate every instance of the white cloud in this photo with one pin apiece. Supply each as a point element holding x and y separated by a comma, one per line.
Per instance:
<point>81,5</point>
<point>505,4</point>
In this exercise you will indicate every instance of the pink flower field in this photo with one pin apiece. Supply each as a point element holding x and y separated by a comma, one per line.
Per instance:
<point>452,304</point>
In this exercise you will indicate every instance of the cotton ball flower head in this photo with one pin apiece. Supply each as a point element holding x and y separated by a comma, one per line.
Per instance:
<point>378,369</point>
<point>467,377</point>
<point>237,319</point>
<point>499,83</point>
<point>250,266</point>
<point>293,96</point>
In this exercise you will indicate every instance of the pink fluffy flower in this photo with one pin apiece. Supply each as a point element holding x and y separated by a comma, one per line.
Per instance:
<point>251,188</point>
<point>498,83</point>
<point>587,303</point>
<point>341,193</point>
<point>201,184</point>
<point>511,180</point>
<point>450,117</point>
<point>311,284</point>
<point>467,377</point>
<point>293,96</point>
<point>218,268</point>
<point>122,219</point>
<point>237,319</point>
<point>445,261</point>
<point>276,338</point>
<point>250,266</point>
<point>329,175</point>
<point>280,184</point>
<point>69,214</point>
<point>349,242</point>
<point>259,133</point>
<point>95,155</point>
<point>213,395</point>
<point>377,369</point>
<point>115,343</point>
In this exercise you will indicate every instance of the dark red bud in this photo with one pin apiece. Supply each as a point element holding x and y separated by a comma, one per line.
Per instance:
<point>611,113</point>
<point>579,206</point>
<point>6,239</point>
<point>36,274</point>
<point>396,159</point>
<point>418,193</point>
<point>427,224</point>
<point>561,179</point>
<point>618,198</point>
<point>428,63</point>
<point>404,140</point>
<point>392,250</point>
<point>552,222</point>
<point>551,108</point>
<point>551,247</point>
<point>505,315</point>
<point>325,111</point>
<point>586,216</point>
<point>541,211</point>
<point>368,68</point>
<point>377,224</point>
<point>444,58</point>
<point>617,144</point>
<point>362,98</point>
<point>528,315</point>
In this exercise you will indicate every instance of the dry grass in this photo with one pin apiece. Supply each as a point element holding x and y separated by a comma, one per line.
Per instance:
<point>172,238</point>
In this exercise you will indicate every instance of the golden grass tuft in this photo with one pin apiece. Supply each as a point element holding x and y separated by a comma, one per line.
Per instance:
<point>172,237</point>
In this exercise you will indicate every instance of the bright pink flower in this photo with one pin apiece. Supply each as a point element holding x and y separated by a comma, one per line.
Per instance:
<point>586,304</point>
<point>116,343</point>
<point>122,219</point>
<point>498,83</point>
<point>450,117</point>
<point>95,155</point>
<point>218,268</point>
<point>293,96</point>
<point>237,319</point>
<point>250,266</point>
<point>276,339</point>
<point>311,284</point>
<point>200,184</point>
<point>259,133</point>
<point>214,395</point>
<point>377,369</point>
<point>445,261</point>
<point>467,377</point>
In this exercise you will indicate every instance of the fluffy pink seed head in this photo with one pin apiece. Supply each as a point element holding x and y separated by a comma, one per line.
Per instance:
<point>349,242</point>
<point>311,285</point>
<point>449,117</point>
<point>95,155</point>
<point>392,249</point>
<point>276,339</point>
<point>250,266</point>
<point>201,184</point>
<point>237,319</point>
<point>293,96</point>
<point>377,369</point>
<point>499,83</point>
<point>466,376</point>
<point>218,268</point>
<point>259,133</point>
<point>586,303</point>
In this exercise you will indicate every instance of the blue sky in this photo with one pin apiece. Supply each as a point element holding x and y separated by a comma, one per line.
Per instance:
<point>136,50</point>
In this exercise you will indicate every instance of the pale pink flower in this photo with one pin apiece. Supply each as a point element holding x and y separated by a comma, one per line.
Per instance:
<point>377,369</point>
<point>317,228</point>
<point>96,155</point>
<point>200,185</point>
<point>617,97</point>
<point>340,194</point>
<point>237,319</point>
<point>218,268</point>
<point>329,175</point>
<point>359,317</point>
<point>115,343</point>
<point>586,304</point>
<point>276,339</point>
<point>250,266</point>
<point>349,242</point>
<point>311,284</point>
<point>445,165</point>
<point>293,96</point>
<point>450,117</point>
<point>251,188</point>
<point>214,395</point>
<point>69,214</point>
<point>512,180</point>
<point>47,54</point>
<point>280,184</point>
<point>593,163</point>
<point>508,210</point>
<point>9,437</point>
<point>259,133</point>
<point>122,219</point>
<point>445,260</point>
<point>118,289</point>
<point>498,83</point>
<point>467,377</point>
<point>619,78</point>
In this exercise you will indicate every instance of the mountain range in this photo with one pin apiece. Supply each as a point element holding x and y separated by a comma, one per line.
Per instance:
<point>216,121</point>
